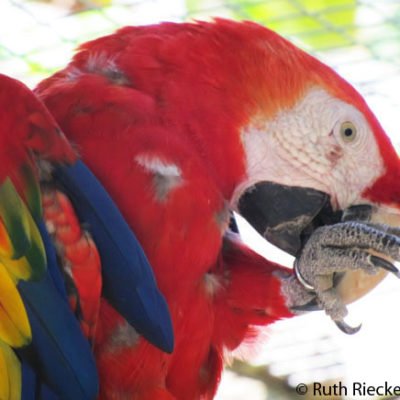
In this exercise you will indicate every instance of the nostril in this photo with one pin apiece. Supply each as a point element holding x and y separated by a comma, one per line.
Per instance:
<point>334,154</point>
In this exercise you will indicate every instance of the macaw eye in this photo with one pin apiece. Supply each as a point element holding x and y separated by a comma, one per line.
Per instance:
<point>348,131</point>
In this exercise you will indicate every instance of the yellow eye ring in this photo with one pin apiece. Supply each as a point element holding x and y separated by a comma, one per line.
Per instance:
<point>348,131</point>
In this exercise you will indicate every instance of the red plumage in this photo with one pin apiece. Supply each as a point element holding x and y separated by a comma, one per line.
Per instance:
<point>28,130</point>
<point>175,98</point>
<point>80,258</point>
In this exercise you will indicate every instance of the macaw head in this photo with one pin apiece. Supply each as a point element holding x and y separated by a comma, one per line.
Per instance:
<point>315,155</point>
<point>315,152</point>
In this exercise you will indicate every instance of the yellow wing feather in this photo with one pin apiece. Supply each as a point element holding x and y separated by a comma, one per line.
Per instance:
<point>14,217</point>
<point>10,376</point>
<point>23,257</point>
<point>14,325</point>
<point>19,236</point>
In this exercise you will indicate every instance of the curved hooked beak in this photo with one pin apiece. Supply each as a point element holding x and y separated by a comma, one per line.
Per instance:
<point>286,215</point>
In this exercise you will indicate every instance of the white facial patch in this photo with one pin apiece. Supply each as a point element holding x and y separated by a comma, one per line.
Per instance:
<point>166,176</point>
<point>307,146</point>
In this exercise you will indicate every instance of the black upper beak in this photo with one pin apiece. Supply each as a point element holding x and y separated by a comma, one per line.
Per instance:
<point>286,215</point>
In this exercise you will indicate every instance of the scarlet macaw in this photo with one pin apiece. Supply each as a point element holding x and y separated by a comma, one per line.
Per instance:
<point>182,124</point>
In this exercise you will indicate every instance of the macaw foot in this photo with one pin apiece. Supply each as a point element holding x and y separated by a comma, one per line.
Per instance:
<point>330,254</point>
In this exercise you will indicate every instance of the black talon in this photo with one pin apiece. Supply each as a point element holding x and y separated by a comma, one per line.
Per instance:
<point>361,212</point>
<point>347,329</point>
<point>312,305</point>
<point>381,263</point>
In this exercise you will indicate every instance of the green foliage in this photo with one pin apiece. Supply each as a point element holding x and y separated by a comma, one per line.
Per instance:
<point>318,24</point>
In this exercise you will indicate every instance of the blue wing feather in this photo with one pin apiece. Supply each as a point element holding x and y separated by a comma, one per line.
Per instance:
<point>29,381</point>
<point>59,352</point>
<point>45,393</point>
<point>128,281</point>
<point>32,387</point>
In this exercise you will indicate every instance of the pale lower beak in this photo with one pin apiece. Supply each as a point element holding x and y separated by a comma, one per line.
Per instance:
<point>356,284</point>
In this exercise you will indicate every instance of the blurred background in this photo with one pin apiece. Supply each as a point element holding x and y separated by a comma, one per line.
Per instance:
<point>361,40</point>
